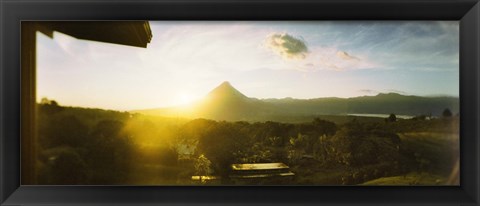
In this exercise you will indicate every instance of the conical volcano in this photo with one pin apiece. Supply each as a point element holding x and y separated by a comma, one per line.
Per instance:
<point>226,92</point>
<point>225,103</point>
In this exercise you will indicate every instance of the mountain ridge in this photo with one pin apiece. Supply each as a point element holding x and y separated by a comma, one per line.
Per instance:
<point>225,102</point>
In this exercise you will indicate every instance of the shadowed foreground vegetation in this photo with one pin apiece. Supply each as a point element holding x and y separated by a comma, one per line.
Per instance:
<point>93,146</point>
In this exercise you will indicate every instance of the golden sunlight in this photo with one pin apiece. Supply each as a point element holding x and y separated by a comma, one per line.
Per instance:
<point>183,98</point>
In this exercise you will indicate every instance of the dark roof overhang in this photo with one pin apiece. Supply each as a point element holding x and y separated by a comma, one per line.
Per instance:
<point>131,33</point>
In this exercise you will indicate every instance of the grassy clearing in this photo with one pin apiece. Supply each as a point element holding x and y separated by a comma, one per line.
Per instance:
<point>435,155</point>
<point>409,179</point>
<point>434,152</point>
<point>318,177</point>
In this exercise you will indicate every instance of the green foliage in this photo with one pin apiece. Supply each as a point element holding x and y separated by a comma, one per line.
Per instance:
<point>49,106</point>
<point>203,166</point>
<point>75,152</point>
<point>219,144</point>
<point>363,149</point>
<point>109,152</point>
<point>63,130</point>
<point>63,165</point>
<point>93,146</point>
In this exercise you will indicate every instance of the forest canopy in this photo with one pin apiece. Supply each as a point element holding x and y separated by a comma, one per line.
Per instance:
<point>94,146</point>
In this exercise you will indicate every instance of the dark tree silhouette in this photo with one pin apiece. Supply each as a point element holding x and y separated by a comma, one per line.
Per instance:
<point>109,152</point>
<point>391,118</point>
<point>447,113</point>
<point>65,131</point>
<point>68,167</point>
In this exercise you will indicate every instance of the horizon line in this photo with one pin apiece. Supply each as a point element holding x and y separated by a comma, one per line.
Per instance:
<point>273,98</point>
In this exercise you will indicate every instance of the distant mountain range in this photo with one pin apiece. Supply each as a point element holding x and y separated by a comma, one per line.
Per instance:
<point>227,103</point>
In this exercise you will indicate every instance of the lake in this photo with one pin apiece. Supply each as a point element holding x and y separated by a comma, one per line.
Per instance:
<point>381,115</point>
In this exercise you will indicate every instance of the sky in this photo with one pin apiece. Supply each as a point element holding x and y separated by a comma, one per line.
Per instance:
<point>299,59</point>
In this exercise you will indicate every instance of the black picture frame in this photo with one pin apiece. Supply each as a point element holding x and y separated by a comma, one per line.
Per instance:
<point>14,11</point>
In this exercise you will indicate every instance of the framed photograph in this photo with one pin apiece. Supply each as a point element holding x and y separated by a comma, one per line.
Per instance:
<point>239,102</point>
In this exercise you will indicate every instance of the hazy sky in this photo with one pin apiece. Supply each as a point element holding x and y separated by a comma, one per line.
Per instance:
<point>185,60</point>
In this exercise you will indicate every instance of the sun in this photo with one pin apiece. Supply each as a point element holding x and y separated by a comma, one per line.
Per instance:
<point>184,98</point>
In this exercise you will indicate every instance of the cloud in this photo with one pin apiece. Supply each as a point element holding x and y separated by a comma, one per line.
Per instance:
<point>309,65</point>
<point>397,91</point>
<point>287,46</point>
<point>345,56</point>
<point>332,58</point>
<point>329,65</point>
<point>368,91</point>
